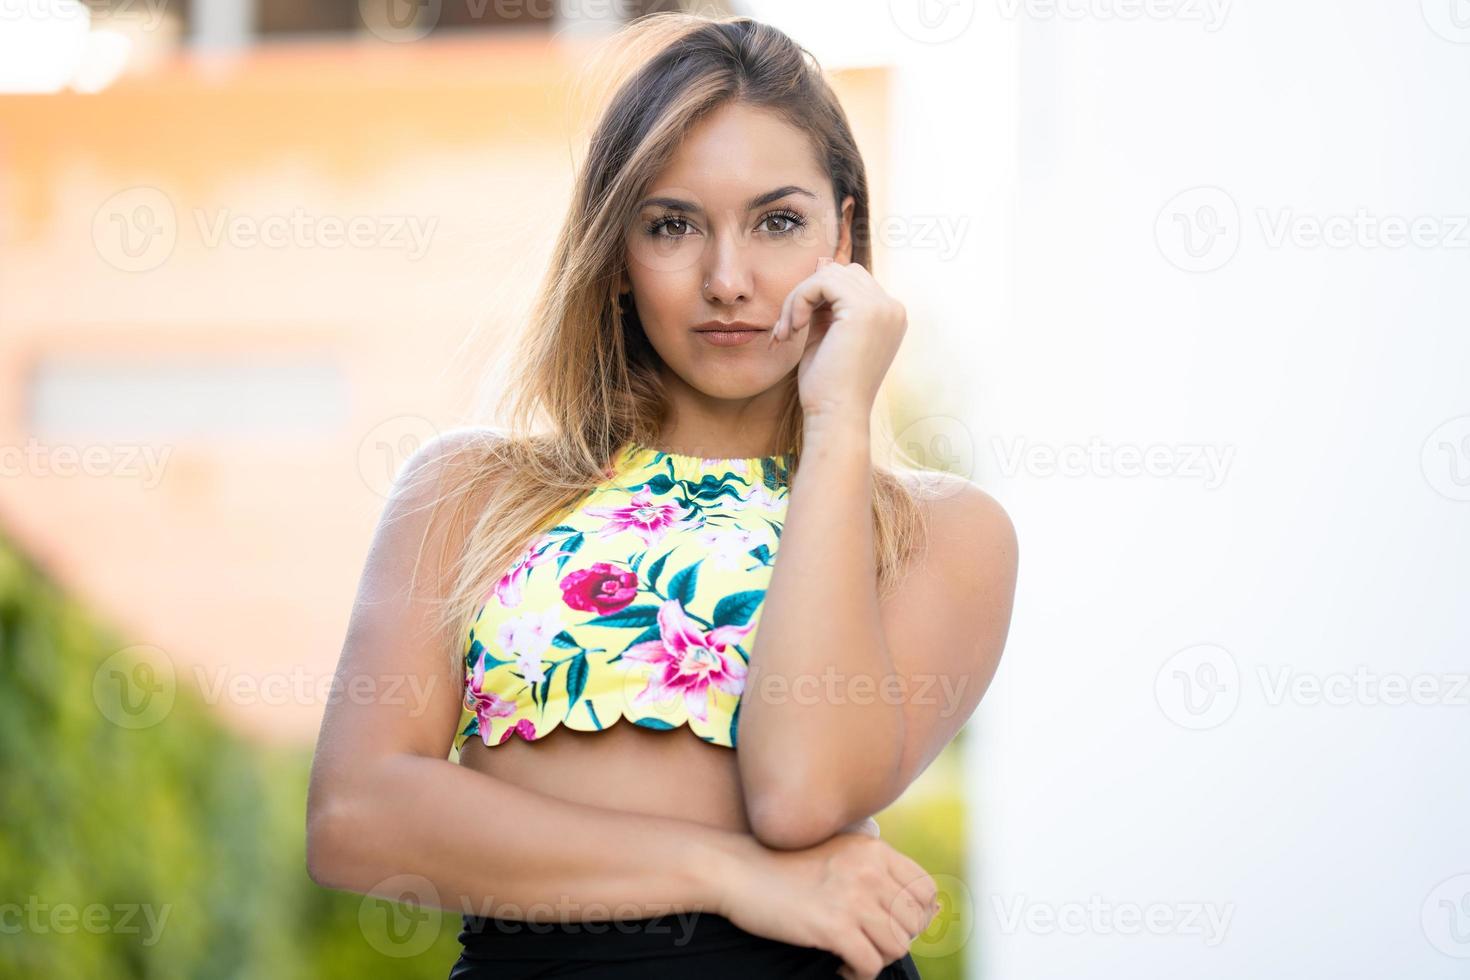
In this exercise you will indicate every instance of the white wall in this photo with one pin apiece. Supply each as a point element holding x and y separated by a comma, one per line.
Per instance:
<point>1325,838</point>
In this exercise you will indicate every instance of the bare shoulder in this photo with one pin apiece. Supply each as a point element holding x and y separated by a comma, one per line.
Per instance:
<point>970,532</point>
<point>959,510</point>
<point>448,450</point>
<point>435,496</point>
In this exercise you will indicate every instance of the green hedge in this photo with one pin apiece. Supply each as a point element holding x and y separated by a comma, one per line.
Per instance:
<point>171,850</point>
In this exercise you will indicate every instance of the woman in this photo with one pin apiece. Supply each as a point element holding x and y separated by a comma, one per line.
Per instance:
<point>597,573</point>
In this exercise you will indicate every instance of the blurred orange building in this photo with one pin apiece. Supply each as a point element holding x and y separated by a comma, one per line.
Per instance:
<point>236,292</point>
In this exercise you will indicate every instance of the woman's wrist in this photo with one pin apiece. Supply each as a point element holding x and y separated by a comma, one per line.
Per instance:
<point>817,419</point>
<point>719,859</point>
<point>835,430</point>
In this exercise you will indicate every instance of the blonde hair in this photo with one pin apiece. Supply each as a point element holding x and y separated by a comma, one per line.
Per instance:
<point>586,379</point>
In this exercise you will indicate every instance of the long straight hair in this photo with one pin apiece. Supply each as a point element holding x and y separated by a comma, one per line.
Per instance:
<point>586,378</point>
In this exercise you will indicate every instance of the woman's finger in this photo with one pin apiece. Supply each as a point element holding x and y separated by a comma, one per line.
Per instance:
<point>782,329</point>
<point>806,297</point>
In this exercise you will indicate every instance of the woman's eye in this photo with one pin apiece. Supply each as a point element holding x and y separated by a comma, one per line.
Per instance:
<point>659,227</point>
<point>790,221</point>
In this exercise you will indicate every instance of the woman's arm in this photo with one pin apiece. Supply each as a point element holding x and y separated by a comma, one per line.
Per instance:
<point>862,694</point>
<point>384,800</point>
<point>491,848</point>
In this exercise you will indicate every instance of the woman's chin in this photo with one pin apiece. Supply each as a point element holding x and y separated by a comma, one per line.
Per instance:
<point>733,382</point>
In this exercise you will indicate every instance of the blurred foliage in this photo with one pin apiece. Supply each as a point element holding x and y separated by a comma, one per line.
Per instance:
<point>927,823</point>
<point>177,849</point>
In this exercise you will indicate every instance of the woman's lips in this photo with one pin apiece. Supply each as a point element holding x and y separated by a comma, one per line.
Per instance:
<point>729,338</point>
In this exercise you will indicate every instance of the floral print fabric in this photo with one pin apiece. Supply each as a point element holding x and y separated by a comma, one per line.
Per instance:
<point>641,603</point>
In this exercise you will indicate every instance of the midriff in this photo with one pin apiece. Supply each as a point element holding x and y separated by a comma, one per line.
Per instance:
<point>624,767</point>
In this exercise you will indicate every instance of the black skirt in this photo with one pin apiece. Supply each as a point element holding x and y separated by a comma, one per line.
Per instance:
<point>702,945</point>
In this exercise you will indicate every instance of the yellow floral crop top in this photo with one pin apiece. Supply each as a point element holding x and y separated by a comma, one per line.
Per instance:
<point>642,602</point>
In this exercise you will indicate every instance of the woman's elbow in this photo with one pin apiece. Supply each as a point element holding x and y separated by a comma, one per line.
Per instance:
<point>790,822</point>
<point>328,831</point>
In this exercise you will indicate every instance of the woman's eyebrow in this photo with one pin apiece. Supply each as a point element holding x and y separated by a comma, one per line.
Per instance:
<point>676,204</point>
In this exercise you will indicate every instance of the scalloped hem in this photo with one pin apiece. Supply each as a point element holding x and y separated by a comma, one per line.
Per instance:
<point>651,722</point>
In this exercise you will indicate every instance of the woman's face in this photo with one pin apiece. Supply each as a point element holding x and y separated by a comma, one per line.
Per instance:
<point>739,216</point>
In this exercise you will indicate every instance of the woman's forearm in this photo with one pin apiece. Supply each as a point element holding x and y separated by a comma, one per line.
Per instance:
<point>491,848</point>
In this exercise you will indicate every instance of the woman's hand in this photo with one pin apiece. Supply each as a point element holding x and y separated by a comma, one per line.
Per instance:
<point>854,328</point>
<point>852,895</point>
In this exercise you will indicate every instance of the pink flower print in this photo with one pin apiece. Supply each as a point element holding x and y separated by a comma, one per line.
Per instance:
<point>728,546</point>
<point>759,496</point>
<point>524,728</point>
<point>485,704</point>
<point>508,590</point>
<point>687,660</point>
<point>603,588</point>
<point>528,637</point>
<point>641,515</point>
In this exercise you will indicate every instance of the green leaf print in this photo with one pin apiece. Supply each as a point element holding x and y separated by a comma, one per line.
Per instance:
<point>711,488</point>
<point>734,721</point>
<point>775,474</point>
<point>660,484</point>
<point>658,723</point>
<point>545,687</point>
<point>478,650</point>
<point>566,641</point>
<point>652,633</point>
<point>656,569</point>
<point>571,546</point>
<point>681,587</point>
<point>736,609</point>
<point>633,617</point>
<point>576,680</point>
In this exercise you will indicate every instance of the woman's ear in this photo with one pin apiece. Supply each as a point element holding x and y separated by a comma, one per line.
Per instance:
<point>844,231</point>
